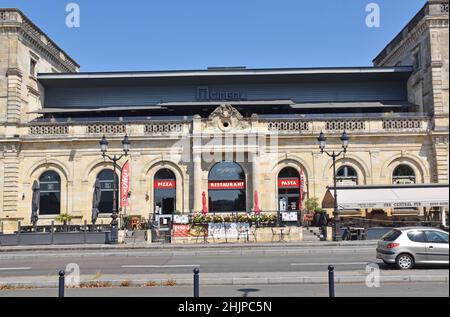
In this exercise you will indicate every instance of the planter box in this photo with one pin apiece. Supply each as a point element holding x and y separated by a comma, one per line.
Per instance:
<point>58,238</point>
<point>8,240</point>
<point>35,239</point>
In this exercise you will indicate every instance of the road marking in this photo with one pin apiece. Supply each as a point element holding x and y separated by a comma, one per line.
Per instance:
<point>158,266</point>
<point>343,263</point>
<point>15,268</point>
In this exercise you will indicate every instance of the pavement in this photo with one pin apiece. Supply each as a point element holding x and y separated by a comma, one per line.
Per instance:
<point>280,264</point>
<point>250,291</point>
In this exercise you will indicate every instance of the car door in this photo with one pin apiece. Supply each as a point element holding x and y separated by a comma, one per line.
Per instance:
<point>417,245</point>
<point>437,246</point>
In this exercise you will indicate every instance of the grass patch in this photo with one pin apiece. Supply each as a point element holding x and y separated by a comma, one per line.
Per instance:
<point>125,284</point>
<point>9,287</point>
<point>151,284</point>
<point>95,284</point>
<point>169,283</point>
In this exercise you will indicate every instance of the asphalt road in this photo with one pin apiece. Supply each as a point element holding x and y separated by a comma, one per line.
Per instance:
<point>176,262</point>
<point>351,290</point>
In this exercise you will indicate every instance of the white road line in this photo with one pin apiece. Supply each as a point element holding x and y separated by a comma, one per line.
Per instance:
<point>158,266</point>
<point>15,268</point>
<point>335,264</point>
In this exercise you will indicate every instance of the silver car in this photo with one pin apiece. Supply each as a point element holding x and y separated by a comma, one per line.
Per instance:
<point>406,247</point>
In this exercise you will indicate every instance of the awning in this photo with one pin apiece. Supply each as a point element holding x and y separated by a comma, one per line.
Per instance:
<point>393,196</point>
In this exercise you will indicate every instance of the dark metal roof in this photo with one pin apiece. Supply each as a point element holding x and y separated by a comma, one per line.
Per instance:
<point>217,75</point>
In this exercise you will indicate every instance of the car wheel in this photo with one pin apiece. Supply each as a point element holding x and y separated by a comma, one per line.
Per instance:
<point>404,262</point>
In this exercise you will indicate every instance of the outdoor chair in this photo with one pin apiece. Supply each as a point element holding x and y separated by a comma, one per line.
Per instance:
<point>284,234</point>
<point>243,235</point>
<point>276,234</point>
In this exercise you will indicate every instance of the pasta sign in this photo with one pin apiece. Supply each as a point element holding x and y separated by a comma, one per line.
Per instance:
<point>125,185</point>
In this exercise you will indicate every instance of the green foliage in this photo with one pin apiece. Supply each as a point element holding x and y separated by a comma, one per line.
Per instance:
<point>312,204</point>
<point>64,218</point>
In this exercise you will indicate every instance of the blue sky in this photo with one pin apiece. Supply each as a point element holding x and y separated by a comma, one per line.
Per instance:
<point>195,34</point>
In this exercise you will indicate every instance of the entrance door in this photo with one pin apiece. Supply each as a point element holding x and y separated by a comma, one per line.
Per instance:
<point>168,206</point>
<point>289,188</point>
<point>165,192</point>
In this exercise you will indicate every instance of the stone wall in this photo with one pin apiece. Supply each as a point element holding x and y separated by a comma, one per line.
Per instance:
<point>427,37</point>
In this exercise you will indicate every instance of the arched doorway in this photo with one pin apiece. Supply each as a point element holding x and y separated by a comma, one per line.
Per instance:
<point>106,178</point>
<point>165,192</point>
<point>289,190</point>
<point>227,188</point>
<point>50,194</point>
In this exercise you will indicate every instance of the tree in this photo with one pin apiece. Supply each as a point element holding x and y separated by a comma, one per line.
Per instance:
<point>312,204</point>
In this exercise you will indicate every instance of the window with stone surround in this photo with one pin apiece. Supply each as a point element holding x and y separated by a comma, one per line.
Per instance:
<point>106,178</point>
<point>50,194</point>
<point>403,174</point>
<point>33,64</point>
<point>347,175</point>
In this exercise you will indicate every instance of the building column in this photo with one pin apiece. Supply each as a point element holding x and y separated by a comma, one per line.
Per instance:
<point>14,91</point>
<point>198,176</point>
<point>255,178</point>
<point>441,150</point>
<point>443,217</point>
<point>11,180</point>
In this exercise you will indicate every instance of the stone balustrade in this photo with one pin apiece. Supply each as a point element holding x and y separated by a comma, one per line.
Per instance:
<point>172,129</point>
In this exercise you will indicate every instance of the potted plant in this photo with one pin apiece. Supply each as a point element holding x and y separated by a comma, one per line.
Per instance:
<point>64,219</point>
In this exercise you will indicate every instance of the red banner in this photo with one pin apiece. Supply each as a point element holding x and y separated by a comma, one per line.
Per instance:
<point>180,231</point>
<point>165,184</point>
<point>227,185</point>
<point>289,183</point>
<point>125,185</point>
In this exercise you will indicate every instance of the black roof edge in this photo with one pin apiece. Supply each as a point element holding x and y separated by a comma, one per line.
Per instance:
<point>397,69</point>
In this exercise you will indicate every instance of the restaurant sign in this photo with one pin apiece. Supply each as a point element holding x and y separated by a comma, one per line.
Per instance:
<point>289,183</point>
<point>226,185</point>
<point>165,184</point>
<point>398,204</point>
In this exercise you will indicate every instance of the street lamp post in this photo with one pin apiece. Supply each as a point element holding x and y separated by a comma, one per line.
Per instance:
<point>104,148</point>
<point>337,219</point>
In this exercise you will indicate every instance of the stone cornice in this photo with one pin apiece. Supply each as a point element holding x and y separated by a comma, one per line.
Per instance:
<point>430,12</point>
<point>14,20</point>
<point>393,52</point>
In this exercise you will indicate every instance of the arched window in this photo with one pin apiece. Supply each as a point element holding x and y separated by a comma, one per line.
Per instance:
<point>403,174</point>
<point>50,194</point>
<point>106,178</point>
<point>227,188</point>
<point>165,192</point>
<point>347,175</point>
<point>289,186</point>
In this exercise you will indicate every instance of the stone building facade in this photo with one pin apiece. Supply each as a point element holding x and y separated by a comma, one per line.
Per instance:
<point>424,43</point>
<point>182,125</point>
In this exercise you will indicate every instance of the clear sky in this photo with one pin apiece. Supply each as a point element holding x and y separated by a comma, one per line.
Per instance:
<point>195,34</point>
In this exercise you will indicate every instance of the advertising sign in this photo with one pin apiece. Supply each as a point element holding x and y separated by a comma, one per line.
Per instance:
<point>125,185</point>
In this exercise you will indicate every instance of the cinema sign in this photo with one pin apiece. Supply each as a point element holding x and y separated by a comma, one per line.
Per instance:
<point>205,94</point>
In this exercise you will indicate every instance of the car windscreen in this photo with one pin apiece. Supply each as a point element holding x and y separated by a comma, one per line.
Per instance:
<point>391,235</point>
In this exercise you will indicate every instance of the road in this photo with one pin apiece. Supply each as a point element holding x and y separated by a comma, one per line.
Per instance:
<point>251,291</point>
<point>173,262</point>
<point>276,271</point>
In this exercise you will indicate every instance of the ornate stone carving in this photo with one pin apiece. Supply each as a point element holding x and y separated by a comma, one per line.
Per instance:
<point>227,118</point>
<point>441,140</point>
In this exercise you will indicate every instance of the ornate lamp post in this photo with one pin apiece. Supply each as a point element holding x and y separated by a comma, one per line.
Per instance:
<point>104,148</point>
<point>323,142</point>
